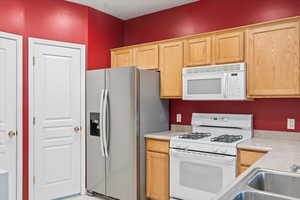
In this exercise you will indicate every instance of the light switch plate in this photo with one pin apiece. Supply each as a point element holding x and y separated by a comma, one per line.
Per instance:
<point>178,118</point>
<point>291,124</point>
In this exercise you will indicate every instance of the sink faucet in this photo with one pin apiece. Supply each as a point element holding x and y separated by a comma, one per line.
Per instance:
<point>295,168</point>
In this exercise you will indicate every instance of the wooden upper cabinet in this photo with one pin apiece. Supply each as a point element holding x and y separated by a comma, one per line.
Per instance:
<point>197,51</point>
<point>122,58</point>
<point>171,63</point>
<point>229,47</point>
<point>273,60</point>
<point>146,57</point>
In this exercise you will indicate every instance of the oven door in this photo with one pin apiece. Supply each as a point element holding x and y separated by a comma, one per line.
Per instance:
<point>204,87</point>
<point>196,175</point>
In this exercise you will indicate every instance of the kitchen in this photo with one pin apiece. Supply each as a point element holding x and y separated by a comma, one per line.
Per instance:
<point>261,34</point>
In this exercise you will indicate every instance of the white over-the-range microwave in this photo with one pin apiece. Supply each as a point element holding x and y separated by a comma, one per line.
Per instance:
<point>219,82</point>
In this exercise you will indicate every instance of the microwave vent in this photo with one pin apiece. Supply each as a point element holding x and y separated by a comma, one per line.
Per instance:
<point>218,68</point>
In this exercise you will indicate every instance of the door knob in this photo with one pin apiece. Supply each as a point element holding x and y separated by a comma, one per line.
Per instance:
<point>11,134</point>
<point>77,129</point>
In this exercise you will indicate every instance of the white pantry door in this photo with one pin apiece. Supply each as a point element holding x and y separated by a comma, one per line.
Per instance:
<point>8,111</point>
<point>57,113</point>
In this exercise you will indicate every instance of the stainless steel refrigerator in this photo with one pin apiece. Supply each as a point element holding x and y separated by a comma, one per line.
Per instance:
<point>122,105</point>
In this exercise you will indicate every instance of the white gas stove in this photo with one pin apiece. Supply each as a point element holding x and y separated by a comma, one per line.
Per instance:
<point>203,162</point>
<point>215,133</point>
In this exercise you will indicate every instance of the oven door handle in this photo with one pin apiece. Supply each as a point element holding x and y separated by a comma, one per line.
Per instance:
<point>215,158</point>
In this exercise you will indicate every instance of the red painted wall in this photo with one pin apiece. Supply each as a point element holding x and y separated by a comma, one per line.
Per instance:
<point>105,32</point>
<point>204,16</point>
<point>61,21</point>
<point>210,15</point>
<point>12,16</point>
<point>269,114</point>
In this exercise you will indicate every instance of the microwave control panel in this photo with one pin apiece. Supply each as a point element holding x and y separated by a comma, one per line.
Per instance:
<point>235,85</point>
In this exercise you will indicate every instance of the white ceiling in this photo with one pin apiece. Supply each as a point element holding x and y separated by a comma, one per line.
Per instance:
<point>127,9</point>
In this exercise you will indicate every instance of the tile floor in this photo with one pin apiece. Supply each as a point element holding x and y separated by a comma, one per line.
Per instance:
<point>83,197</point>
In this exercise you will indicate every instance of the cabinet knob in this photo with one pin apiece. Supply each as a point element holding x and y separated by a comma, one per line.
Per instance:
<point>11,134</point>
<point>77,129</point>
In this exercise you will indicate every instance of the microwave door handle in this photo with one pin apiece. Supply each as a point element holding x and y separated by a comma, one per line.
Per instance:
<point>225,86</point>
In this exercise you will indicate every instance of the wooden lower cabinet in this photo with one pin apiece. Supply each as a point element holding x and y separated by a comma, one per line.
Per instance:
<point>246,158</point>
<point>157,170</point>
<point>241,169</point>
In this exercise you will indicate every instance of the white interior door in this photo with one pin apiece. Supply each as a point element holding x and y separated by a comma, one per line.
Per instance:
<point>57,113</point>
<point>8,111</point>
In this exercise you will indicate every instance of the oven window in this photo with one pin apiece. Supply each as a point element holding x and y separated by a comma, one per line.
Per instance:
<point>204,86</point>
<point>202,177</point>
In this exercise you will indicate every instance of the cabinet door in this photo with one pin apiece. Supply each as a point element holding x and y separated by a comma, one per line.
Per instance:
<point>229,47</point>
<point>146,57</point>
<point>246,158</point>
<point>241,169</point>
<point>171,63</point>
<point>198,51</point>
<point>122,58</point>
<point>273,60</point>
<point>157,176</point>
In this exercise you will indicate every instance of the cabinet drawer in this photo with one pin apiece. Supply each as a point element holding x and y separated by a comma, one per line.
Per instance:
<point>158,145</point>
<point>247,157</point>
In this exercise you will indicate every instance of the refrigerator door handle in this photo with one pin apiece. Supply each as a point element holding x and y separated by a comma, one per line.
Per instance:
<point>107,123</point>
<point>101,123</point>
<point>105,133</point>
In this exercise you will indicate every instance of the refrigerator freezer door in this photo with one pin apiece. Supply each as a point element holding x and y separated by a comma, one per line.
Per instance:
<point>122,137</point>
<point>96,177</point>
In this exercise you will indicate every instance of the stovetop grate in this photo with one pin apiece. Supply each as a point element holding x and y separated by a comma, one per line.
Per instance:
<point>195,136</point>
<point>227,138</point>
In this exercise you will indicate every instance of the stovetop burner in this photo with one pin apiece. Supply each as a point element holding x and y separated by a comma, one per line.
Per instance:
<point>227,138</point>
<point>195,136</point>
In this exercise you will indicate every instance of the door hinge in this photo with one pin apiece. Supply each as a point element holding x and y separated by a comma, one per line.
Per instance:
<point>33,180</point>
<point>33,60</point>
<point>34,121</point>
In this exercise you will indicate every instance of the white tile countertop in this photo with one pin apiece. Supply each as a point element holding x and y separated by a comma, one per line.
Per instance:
<point>283,151</point>
<point>165,135</point>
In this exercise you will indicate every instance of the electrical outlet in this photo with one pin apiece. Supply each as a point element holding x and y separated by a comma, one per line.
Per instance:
<point>291,124</point>
<point>178,118</point>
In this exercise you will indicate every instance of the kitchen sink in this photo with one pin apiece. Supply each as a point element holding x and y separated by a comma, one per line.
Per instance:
<point>276,183</point>
<point>257,196</point>
<point>263,184</point>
